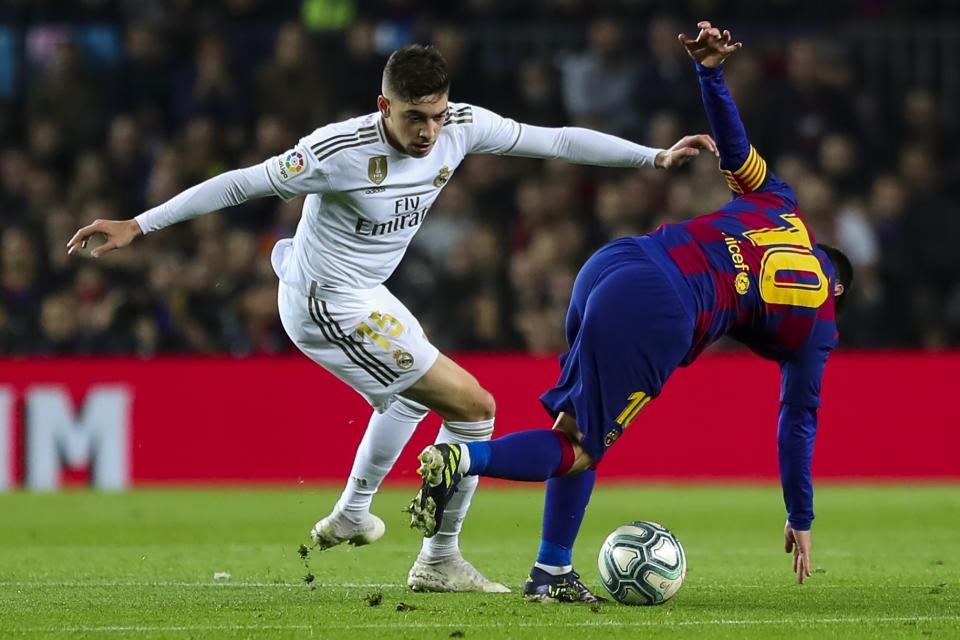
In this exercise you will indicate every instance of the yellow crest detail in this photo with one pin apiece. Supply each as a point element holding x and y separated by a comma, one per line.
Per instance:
<point>741,283</point>
<point>404,360</point>
<point>377,169</point>
<point>612,437</point>
<point>442,176</point>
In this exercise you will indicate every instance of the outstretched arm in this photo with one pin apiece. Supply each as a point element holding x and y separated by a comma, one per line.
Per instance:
<point>744,169</point>
<point>492,133</point>
<point>225,190</point>
<point>801,379</point>
<point>795,435</point>
<point>585,146</point>
<point>295,172</point>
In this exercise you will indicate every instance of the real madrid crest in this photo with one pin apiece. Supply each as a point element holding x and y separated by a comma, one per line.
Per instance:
<point>404,360</point>
<point>377,169</point>
<point>442,176</point>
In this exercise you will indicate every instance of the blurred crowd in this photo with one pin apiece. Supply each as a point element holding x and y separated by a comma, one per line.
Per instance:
<point>110,107</point>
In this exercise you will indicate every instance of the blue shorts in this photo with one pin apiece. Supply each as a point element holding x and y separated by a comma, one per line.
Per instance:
<point>628,329</point>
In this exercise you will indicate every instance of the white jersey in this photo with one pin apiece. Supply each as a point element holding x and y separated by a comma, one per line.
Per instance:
<point>365,199</point>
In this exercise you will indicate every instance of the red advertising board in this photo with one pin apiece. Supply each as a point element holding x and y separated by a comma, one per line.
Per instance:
<point>215,420</point>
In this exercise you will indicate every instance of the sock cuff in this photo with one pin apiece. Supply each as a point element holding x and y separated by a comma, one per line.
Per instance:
<point>469,431</point>
<point>554,570</point>
<point>567,454</point>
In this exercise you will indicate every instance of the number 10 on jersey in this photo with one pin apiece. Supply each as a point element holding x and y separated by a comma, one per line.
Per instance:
<point>789,272</point>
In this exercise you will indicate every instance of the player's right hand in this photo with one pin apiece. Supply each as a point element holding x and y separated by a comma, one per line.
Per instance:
<point>711,47</point>
<point>798,542</point>
<point>118,233</point>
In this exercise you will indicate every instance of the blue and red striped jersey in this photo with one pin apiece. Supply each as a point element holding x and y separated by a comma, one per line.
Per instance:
<point>751,270</point>
<point>755,274</point>
<point>752,266</point>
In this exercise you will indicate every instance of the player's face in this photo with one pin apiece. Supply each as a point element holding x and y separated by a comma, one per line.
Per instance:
<point>414,126</point>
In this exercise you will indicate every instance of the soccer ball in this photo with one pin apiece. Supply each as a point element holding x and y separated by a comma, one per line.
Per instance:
<point>642,563</point>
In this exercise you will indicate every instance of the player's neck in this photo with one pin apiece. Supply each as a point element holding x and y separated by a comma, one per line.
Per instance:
<point>391,139</point>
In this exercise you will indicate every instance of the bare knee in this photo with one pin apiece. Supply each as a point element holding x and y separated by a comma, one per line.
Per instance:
<point>452,392</point>
<point>477,405</point>
<point>488,406</point>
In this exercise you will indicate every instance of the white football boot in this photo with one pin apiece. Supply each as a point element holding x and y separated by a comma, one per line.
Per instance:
<point>336,528</point>
<point>452,573</point>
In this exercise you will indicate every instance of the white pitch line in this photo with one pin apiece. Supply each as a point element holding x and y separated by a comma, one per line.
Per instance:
<point>160,629</point>
<point>380,585</point>
<point>212,585</point>
<point>495,625</point>
<point>646,623</point>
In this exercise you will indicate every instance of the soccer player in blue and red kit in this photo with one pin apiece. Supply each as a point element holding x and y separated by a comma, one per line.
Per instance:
<point>641,307</point>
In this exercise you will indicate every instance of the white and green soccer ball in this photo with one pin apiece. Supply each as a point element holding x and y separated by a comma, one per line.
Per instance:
<point>642,563</point>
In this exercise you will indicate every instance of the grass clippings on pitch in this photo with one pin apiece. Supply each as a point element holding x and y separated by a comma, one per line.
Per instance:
<point>142,565</point>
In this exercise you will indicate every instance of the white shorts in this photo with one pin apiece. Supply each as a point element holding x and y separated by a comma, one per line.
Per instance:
<point>371,341</point>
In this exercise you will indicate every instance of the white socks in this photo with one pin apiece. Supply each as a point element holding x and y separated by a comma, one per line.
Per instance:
<point>446,541</point>
<point>554,570</point>
<point>386,435</point>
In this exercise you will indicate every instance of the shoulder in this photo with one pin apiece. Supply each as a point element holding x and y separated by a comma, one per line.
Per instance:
<point>460,113</point>
<point>461,124</point>
<point>460,121</point>
<point>334,138</point>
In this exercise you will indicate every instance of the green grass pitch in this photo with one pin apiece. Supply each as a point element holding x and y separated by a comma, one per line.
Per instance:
<point>142,564</point>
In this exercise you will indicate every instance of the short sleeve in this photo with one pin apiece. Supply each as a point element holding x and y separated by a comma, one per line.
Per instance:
<point>487,132</point>
<point>296,172</point>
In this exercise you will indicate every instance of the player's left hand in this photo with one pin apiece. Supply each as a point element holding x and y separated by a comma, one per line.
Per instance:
<point>798,542</point>
<point>711,46</point>
<point>686,149</point>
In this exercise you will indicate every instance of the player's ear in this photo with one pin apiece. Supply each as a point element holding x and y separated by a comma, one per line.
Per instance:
<point>383,104</point>
<point>838,289</point>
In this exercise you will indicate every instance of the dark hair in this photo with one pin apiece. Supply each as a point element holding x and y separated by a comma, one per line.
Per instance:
<point>843,269</point>
<point>415,72</point>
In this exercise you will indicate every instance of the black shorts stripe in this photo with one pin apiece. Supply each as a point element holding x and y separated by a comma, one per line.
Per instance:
<point>318,149</point>
<point>346,146</point>
<point>315,316</point>
<point>339,335</point>
<point>370,358</point>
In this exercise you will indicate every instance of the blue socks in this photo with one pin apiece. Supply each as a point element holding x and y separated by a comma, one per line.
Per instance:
<point>532,456</point>
<point>535,456</point>
<point>564,509</point>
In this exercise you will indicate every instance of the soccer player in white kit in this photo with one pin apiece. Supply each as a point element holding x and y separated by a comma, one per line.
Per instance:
<point>369,184</point>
